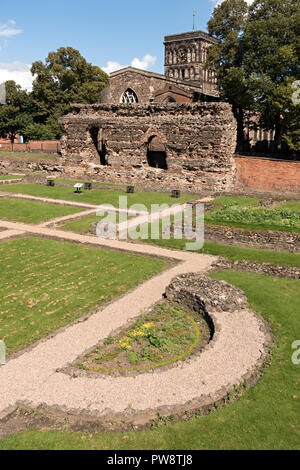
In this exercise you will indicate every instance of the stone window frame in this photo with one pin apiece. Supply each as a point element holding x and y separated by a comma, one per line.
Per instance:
<point>129,97</point>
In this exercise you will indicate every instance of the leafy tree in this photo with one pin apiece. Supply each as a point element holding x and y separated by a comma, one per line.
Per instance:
<point>35,131</point>
<point>257,60</point>
<point>16,113</point>
<point>65,78</point>
<point>226,58</point>
<point>272,55</point>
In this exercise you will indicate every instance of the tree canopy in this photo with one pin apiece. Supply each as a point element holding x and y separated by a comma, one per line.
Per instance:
<point>257,61</point>
<point>16,113</point>
<point>64,78</point>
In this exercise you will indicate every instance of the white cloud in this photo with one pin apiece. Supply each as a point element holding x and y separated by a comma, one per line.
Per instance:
<point>112,67</point>
<point>18,72</point>
<point>146,62</point>
<point>7,30</point>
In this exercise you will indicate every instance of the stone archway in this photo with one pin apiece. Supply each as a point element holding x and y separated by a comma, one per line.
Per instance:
<point>98,140</point>
<point>169,100</point>
<point>156,153</point>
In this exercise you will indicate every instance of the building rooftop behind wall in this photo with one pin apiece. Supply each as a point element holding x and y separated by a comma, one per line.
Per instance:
<point>140,71</point>
<point>190,35</point>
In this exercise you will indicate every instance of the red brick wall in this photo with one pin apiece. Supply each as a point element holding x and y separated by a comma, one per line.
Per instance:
<point>267,175</point>
<point>51,146</point>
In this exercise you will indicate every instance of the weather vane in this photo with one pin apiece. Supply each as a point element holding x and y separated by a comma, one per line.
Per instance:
<point>194,16</point>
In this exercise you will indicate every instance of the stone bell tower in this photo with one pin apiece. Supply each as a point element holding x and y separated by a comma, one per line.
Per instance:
<point>185,55</point>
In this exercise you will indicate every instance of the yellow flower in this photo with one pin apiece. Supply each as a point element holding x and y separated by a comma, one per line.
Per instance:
<point>137,333</point>
<point>147,326</point>
<point>125,343</point>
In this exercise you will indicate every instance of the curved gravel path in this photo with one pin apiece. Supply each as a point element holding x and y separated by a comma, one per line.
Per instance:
<point>235,350</point>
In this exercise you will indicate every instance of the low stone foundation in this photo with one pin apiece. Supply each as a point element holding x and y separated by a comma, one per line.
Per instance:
<point>284,272</point>
<point>203,294</point>
<point>264,239</point>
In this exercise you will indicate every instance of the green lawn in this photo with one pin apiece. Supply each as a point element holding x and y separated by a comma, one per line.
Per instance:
<point>10,177</point>
<point>66,180</point>
<point>236,253</point>
<point>267,416</point>
<point>83,225</point>
<point>31,155</point>
<point>96,196</point>
<point>239,201</point>
<point>233,252</point>
<point>45,284</point>
<point>292,206</point>
<point>33,212</point>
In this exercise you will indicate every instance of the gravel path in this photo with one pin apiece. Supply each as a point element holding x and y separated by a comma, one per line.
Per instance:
<point>235,350</point>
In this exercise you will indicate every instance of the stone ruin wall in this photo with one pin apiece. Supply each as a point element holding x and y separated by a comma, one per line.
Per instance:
<point>111,143</point>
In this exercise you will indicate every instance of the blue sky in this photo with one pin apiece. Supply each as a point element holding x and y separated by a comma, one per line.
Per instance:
<point>110,34</point>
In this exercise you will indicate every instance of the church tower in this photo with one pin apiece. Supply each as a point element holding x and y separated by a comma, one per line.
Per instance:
<point>185,55</point>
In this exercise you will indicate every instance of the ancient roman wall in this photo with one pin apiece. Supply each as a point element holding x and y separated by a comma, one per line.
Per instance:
<point>187,146</point>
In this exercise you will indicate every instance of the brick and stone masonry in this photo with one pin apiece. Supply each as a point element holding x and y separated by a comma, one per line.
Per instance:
<point>180,145</point>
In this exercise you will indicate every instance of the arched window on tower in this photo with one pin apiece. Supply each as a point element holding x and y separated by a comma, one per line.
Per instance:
<point>189,55</point>
<point>193,54</point>
<point>129,96</point>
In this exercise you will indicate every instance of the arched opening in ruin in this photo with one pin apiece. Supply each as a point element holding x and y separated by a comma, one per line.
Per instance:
<point>156,153</point>
<point>129,96</point>
<point>97,138</point>
<point>169,100</point>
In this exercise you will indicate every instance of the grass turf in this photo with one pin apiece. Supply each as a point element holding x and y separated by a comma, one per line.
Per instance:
<point>10,177</point>
<point>96,196</point>
<point>83,225</point>
<point>265,417</point>
<point>291,205</point>
<point>47,284</point>
<point>31,155</point>
<point>98,183</point>
<point>235,253</point>
<point>239,201</point>
<point>19,210</point>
